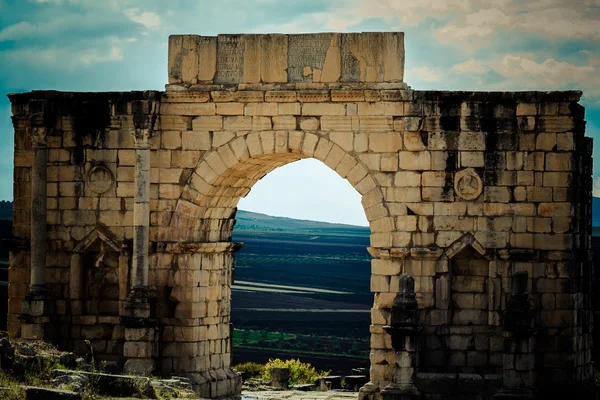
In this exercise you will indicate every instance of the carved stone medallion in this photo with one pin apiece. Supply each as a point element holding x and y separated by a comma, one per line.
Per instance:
<point>100,179</point>
<point>468,184</point>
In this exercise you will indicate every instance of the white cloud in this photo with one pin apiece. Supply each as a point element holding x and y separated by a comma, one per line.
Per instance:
<point>545,18</point>
<point>410,11</point>
<point>549,73</point>
<point>149,19</point>
<point>596,187</point>
<point>62,25</point>
<point>469,22</point>
<point>60,1</point>
<point>62,57</point>
<point>562,20</point>
<point>524,72</point>
<point>424,73</point>
<point>471,66</point>
<point>19,30</point>
<point>474,27</point>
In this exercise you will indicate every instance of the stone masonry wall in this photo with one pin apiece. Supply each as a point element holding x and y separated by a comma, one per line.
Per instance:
<point>461,190</point>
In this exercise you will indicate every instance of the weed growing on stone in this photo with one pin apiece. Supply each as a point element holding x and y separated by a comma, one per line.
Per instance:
<point>40,373</point>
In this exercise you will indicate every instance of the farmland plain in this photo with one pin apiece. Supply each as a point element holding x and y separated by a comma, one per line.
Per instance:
<point>301,290</point>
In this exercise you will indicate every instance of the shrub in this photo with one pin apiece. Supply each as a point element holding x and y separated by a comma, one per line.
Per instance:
<point>250,369</point>
<point>299,372</point>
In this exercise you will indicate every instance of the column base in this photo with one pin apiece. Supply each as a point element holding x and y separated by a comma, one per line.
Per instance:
<point>37,309</point>
<point>508,393</point>
<point>367,392</point>
<point>222,383</point>
<point>139,307</point>
<point>138,320</point>
<point>395,391</point>
<point>139,366</point>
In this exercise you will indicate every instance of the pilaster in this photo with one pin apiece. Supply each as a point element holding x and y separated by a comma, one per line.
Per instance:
<point>138,317</point>
<point>519,344</point>
<point>404,329</point>
<point>37,305</point>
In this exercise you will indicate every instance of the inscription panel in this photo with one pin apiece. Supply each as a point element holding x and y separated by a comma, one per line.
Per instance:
<point>350,62</point>
<point>306,51</point>
<point>230,59</point>
<point>317,57</point>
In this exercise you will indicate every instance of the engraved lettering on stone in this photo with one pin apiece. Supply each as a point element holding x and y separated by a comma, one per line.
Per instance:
<point>350,66</point>
<point>306,51</point>
<point>467,184</point>
<point>230,59</point>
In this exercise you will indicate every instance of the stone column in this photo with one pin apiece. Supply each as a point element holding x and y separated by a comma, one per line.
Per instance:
<point>519,344</point>
<point>36,307</point>
<point>39,142</point>
<point>138,318</point>
<point>141,209</point>
<point>404,329</point>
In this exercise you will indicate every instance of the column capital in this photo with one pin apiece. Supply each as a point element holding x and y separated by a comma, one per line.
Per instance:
<point>38,136</point>
<point>142,137</point>
<point>145,113</point>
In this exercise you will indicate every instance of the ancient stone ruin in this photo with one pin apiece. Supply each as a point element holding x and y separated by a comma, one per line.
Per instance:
<point>478,204</point>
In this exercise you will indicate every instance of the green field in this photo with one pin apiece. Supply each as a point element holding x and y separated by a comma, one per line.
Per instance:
<point>300,344</point>
<point>301,290</point>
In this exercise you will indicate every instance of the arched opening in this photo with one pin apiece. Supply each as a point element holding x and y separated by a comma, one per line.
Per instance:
<point>301,287</point>
<point>199,238</point>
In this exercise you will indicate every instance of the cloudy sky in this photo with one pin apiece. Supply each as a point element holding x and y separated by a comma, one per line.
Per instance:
<point>98,45</point>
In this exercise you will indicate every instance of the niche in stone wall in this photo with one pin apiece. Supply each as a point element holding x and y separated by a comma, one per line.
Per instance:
<point>469,288</point>
<point>470,337</point>
<point>96,284</point>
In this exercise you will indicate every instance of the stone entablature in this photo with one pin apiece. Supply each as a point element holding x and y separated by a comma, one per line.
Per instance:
<point>462,191</point>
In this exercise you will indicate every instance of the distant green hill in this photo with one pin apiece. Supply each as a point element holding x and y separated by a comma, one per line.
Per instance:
<point>250,221</point>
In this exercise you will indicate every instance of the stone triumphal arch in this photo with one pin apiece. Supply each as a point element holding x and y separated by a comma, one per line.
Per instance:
<point>478,205</point>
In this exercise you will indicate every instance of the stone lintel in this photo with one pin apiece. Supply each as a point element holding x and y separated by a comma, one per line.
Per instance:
<point>210,247</point>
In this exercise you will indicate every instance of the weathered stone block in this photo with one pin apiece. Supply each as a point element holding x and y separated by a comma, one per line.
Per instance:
<point>319,109</point>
